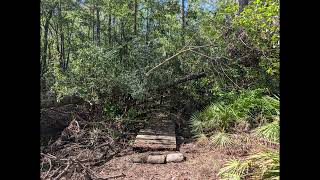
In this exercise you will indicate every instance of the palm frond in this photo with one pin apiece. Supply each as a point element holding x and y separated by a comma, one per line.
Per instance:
<point>270,131</point>
<point>235,168</point>
<point>222,140</point>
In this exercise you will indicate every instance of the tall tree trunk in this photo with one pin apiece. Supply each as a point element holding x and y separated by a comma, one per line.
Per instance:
<point>147,33</point>
<point>89,31</point>
<point>45,46</point>
<point>93,22</point>
<point>115,37</point>
<point>135,16</point>
<point>109,25</point>
<point>69,48</point>
<point>98,26</point>
<point>57,37</point>
<point>62,52</point>
<point>49,51</point>
<point>183,22</point>
<point>122,39</point>
<point>109,29</point>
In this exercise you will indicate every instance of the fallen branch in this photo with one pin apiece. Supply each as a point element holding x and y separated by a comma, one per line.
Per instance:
<point>112,177</point>
<point>181,51</point>
<point>64,171</point>
<point>87,170</point>
<point>49,160</point>
<point>54,172</point>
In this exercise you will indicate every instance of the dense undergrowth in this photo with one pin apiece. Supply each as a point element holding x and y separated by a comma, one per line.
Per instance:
<point>249,112</point>
<point>104,51</point>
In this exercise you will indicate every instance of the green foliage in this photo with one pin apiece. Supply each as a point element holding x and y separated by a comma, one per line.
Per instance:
<point>214,117</point>
<point>111,109</point>
<point>270,131</point>
<point>247,106</point>
<point>234,169</point>
<point>250,103</point>
<point>132,112</point>
<point>262,165</point>
<point>222,140</point>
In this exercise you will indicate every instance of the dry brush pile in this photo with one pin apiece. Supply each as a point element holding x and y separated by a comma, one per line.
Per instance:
<point>83,145</point>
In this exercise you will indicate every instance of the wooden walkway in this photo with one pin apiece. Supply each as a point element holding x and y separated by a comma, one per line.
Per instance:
<point>159,134</point>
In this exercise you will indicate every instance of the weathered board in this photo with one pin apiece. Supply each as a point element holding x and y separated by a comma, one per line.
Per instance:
<point>158,135</point>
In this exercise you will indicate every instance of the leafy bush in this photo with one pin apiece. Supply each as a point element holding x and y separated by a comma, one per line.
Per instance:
<point>111,110</point>
<point>246,106</point>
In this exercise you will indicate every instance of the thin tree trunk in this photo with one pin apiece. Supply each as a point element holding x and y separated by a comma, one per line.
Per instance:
<point>62,52</point>
<point>183,21</point>
<point>115,37</point>
<point>98,26</point>
<point>109,30</point>
<point>147,33</point>
<point>109,26</point>
<point>45,46</point>
<point>122,39</point>
<point>93,22</point>
<point>135,16</point>
<point>69,49</point>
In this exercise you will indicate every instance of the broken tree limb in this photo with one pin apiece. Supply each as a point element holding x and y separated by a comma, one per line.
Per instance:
<point>184,79</point>
<point>181,51</point>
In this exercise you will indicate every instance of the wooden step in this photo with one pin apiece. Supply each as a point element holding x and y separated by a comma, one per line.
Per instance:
<point>159,134</point>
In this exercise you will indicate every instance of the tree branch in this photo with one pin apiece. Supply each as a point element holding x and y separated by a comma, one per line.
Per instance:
<point>181,51</point>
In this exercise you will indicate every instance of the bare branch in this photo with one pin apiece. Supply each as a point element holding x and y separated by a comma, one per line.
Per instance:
<point>181,51</point>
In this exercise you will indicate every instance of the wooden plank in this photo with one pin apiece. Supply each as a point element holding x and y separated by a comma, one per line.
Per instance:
<point>158,134</point>
<point>155,141</point>
<point>155,137</point>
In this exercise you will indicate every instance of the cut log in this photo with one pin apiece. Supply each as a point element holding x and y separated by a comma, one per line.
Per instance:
<point>156,159</point>
<point>174,157</point>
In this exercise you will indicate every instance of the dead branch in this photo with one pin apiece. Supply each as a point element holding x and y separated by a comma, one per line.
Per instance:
<point>50,166</point>
<point>181,51</point>
<point>112,177</point>
<point>64,171</point>
<point>55,172</point>
<point>88,171</point>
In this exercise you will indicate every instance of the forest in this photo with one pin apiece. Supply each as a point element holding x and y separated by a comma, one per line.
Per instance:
<point>110,69</point>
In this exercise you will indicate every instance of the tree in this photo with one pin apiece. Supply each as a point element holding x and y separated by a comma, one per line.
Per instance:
<point>183,21</point>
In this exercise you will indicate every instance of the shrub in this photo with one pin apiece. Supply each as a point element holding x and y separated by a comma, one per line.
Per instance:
<point>262,165</point>
<point>248,105</point>
<point>222,140</point>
